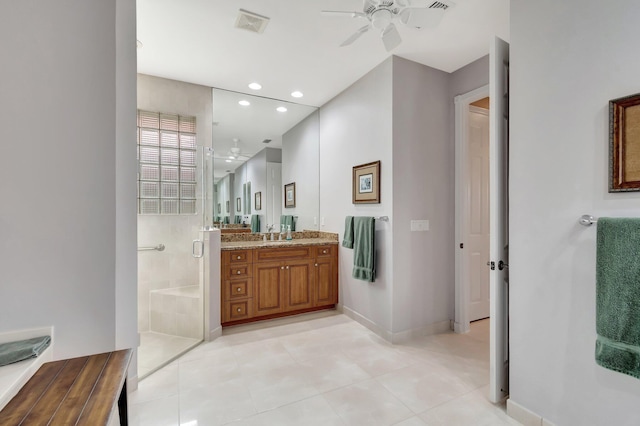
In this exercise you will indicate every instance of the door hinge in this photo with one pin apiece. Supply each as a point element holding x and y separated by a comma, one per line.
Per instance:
<point>461,245</point>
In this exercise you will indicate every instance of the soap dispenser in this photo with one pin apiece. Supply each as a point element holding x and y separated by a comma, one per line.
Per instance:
<point>288,232</point>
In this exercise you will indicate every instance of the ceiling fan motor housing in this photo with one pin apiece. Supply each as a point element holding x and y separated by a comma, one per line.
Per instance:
<point>381,18</point>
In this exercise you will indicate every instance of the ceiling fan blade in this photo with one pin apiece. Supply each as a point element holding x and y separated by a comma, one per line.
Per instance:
<point>421,17</point>
<point>391,37</point>
<point>342,13</point>
<point>355,35</point>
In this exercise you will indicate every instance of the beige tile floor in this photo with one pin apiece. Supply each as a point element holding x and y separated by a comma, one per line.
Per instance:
<point>323,370</point>
<point>157,349</point>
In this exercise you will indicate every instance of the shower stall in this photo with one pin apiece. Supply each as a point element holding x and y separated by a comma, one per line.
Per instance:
<point>175,190</point>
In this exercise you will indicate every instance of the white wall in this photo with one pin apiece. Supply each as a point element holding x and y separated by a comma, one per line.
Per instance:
<point>565,67</point>
<point>423,188</point>
<point>58,97</point>
<point>126,169</point>
<point>355,128</point>
<point>300,150</point>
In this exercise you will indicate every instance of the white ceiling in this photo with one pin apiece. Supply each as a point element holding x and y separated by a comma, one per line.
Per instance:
<point>196,41</point>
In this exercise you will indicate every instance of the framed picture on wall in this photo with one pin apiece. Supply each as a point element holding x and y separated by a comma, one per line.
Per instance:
<point>366,183</point>
<point>624,144</point>
<point>227,206</point>
<point>290,195</point>
<point>238,204</point>
<point>258,200</point>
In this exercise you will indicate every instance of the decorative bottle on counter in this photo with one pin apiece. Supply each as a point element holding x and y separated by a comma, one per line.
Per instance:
<point>288,232</point>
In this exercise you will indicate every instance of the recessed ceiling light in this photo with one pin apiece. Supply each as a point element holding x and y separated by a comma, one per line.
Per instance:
<point>228,161</point>
<point>255,86</point>
<point>244,103</point>
<point>281,109</point>
<point>231,157</point>
<point>297,94</point>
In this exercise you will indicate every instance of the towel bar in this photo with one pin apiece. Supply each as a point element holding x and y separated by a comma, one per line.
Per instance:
<point>159,247</point>
<point>587,220</point>
<point>382,218</point>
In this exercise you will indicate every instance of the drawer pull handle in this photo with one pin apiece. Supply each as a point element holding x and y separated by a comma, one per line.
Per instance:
<point>239,289</point>
<point>324,251</point>
<point>239,257</point>
<point>239,309</point>
<point>282,267</point>
<point>239,272</point>
<point>316,264</point>
<point>287,267</point>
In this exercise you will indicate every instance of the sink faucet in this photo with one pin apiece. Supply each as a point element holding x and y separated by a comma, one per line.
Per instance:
<point>270,230</point>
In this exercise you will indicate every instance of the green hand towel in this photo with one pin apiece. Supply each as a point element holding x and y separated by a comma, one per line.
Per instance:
<point>287,220</point>
<point>237,219</point>
<point>255,223</point>
<point>618,295</point>
<point>226,220</point>
<point>347,239</point>
<point>24,349</point>
<point>364,248</point>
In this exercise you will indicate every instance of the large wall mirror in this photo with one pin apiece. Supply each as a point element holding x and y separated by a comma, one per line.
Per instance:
<point>261,146</point>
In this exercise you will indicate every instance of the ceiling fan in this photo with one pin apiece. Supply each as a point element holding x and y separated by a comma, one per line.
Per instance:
<point>235,153</point>
<point>382,15</point>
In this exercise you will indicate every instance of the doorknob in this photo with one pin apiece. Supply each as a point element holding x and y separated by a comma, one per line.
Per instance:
<point>502,265</point>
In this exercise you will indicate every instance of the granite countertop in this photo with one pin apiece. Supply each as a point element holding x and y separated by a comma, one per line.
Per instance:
<point>235,245</point>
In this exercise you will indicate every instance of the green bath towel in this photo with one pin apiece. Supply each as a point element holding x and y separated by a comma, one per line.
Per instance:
<point>347,239</point>
<point>255,223</point>
<point>618,295</point>
<point>24,349</point>
<point>364,248</point>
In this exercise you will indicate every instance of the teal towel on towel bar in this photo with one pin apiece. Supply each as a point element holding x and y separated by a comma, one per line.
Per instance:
<point>226,220</point>
<point>618,295</point>
<point>364,248</point>
<point>287,220</point>
<point>237,219</point>
<point>24,349</point>
<point>255,223</point>
<point>347,239</point>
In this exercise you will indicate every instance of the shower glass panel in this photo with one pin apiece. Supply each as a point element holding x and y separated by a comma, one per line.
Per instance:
<point>170,291</point>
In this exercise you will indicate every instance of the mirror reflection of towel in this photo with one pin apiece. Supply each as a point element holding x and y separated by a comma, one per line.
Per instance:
<point>255,223</point>
<point>287,220</point>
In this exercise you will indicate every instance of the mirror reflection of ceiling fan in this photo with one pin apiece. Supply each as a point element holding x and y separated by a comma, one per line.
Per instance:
<point>383,14</point>
<point>234,154</point>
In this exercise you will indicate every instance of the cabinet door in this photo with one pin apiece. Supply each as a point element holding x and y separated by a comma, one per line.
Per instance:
<point>298,289</point>
<point>267,297</point>
<point>325,278</point>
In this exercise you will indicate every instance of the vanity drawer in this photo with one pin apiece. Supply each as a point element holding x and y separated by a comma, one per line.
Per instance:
<point>238,271</point>
<point>238,256</point>
<point>237,310</point>
<point>238,289</point>
<point>324,251</point>
<point>282,253</point>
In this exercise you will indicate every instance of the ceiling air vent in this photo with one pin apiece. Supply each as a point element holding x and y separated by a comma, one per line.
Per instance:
<point>251,21</point>
<point>440,5</point>
<point>266,141</point>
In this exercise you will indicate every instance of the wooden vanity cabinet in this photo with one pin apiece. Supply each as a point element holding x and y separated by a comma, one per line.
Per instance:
<point>284,280</point>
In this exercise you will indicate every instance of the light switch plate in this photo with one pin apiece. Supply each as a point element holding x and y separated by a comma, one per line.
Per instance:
<point>419,225</point>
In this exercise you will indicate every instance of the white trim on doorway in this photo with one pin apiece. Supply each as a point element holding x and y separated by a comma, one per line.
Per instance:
<point>462,104</point>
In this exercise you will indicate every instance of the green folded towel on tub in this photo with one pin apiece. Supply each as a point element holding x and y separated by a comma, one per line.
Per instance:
<point>24,349</point>
<point>618,295</point>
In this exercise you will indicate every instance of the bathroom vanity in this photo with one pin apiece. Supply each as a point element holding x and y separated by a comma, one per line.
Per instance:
<point>263,280</point>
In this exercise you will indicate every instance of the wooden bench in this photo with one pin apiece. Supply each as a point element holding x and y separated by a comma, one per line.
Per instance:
<point>77,391</point>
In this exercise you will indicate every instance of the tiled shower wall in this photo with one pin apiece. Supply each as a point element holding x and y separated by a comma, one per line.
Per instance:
<point>173,267</point>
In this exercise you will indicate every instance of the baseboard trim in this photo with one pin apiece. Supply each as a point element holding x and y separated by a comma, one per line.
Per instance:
<point>214,334</point>
<point>362,320</point>
<point>428,330</point>
<point>525,416</point>
<point>395,338</point>
<point>132,383</point>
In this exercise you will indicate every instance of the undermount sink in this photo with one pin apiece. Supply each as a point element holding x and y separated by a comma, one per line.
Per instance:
<point>278,241</point>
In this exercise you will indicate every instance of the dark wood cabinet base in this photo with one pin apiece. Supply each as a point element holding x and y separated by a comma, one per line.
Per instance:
<point>280,315</point>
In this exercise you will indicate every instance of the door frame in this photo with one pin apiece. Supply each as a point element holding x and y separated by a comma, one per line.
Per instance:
<point>462,290</point>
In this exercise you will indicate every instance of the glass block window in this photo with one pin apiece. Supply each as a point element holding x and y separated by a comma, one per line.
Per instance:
<point>166,163</point>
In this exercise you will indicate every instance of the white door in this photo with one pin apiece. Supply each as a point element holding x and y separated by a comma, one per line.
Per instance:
<point>477,200</point>
<point>499,226</point>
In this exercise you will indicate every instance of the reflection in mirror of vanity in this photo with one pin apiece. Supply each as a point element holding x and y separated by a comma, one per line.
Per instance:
<point>260,145</point>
